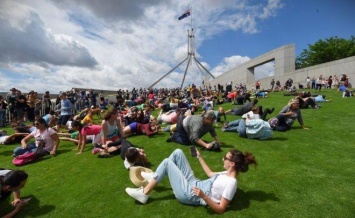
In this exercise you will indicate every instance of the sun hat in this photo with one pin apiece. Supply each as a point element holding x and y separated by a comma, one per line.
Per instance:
<point>136,177</point>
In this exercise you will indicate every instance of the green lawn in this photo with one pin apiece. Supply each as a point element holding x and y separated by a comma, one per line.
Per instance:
<point>301,173</point>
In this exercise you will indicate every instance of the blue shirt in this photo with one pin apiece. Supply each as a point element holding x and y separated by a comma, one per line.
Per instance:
<point>65,107</point>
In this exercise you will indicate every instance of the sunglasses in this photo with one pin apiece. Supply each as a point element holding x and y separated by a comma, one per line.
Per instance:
<point>36,124</point>
<point>226,158</point>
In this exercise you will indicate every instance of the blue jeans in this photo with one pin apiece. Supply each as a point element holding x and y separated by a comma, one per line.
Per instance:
<point>182,178</point>
<point>30,148</point>
<point>237,126</point>
<point>283,126</point>
<point>2,117</point>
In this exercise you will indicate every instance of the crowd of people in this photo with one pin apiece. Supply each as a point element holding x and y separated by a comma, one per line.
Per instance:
<point>188,115</point>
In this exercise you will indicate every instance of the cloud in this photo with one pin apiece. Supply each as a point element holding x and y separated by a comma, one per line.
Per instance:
<point>229,63</point>
<point>25,39</point>
<point>114,44</point>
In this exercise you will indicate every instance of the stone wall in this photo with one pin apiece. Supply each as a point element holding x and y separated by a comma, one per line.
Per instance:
<point>284,58</point>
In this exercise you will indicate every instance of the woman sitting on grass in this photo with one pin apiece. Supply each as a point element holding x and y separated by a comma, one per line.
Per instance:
<point>216,192</point>
<point>46,138</point>
<point>84,131</point>
<point>288,115</point>
<point>111,126</point>
<point>12,181</point>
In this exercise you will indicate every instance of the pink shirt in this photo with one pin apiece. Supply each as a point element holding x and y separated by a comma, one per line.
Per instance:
<point>91,130</point>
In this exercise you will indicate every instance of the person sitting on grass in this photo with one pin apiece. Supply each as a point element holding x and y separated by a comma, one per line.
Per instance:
<point>191,129</point>
<point>288,115</point>
<point>111,126</point>
<point>217,192</point>
<point>11,139</point>
<point>12,181</point>
<point>83,132</point>
<point>219,113</point>
<point>47,140</point>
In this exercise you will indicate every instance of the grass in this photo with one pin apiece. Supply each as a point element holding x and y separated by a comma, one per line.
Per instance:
<point>301,173</point>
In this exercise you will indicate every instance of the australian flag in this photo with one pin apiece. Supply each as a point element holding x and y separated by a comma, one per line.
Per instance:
<point>186,14</point>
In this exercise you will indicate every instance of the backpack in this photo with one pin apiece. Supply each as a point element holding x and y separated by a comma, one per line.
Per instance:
<point>25,159</point>
<point>30,156</point>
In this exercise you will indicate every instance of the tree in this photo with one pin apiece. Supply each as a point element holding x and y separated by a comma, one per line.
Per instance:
<point>330,49</point>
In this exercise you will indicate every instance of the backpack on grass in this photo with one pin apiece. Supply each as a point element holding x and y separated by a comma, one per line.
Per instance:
<point>25,159</point>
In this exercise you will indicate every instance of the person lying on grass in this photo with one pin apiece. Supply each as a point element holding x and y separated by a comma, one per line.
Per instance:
<point>12,181</point>
<point>216,192</point>
<point>6,139</point>
<point>148,129</point>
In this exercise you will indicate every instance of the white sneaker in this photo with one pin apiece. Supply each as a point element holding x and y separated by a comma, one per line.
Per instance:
<point>137,193</point>
<point>147,176</point>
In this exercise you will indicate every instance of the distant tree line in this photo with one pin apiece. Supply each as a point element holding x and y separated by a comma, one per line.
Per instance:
<point>327,50</point>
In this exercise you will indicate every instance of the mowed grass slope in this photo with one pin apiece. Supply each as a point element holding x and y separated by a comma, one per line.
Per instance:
<point>301,173</point>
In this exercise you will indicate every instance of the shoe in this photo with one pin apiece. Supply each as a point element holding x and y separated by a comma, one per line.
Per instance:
<point>137,193</point>
<point>147,176</point>
<point>272,110</point>
<point>95,150</point>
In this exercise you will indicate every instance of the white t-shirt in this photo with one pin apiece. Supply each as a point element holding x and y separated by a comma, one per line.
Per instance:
<point>224,186</point>
<point>251,116</point>
<point>46,137</point>
<point>3,139</point>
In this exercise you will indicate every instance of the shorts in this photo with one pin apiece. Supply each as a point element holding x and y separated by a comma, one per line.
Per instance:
<point>133,127</point>
<point>63,119</point>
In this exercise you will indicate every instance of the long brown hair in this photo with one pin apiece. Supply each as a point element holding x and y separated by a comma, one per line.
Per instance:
<point>242,160</point>
<point>110,113</point>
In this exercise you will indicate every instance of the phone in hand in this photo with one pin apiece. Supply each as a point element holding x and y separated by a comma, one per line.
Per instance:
<point>25,201</point>
<point>193,151</point>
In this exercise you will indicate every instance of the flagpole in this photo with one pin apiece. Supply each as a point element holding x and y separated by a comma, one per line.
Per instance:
<point>191,16</point>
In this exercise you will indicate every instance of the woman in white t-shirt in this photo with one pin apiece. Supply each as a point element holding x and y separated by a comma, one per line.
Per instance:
<point>216,192</point>
<point>45,137</point>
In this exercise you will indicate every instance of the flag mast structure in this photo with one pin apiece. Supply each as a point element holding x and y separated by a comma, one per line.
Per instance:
<point>190,54</point>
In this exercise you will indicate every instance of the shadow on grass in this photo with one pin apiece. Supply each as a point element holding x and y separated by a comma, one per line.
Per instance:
<point>242,199</point>
<point>277,139</point>
<point>6,153</point>
<point>34,209</point>
<point>167,197</point>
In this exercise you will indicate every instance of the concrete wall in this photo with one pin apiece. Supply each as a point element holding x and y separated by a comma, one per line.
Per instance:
<point>284,58</point>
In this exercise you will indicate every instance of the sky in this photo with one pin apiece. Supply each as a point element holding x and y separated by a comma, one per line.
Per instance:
<point>55,45</point>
